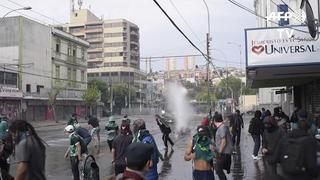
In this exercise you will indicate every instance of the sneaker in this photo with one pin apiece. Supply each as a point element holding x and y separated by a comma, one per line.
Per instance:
<point>255,157</point>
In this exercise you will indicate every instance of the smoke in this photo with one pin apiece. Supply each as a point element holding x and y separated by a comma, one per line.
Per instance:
<point>179,105</point>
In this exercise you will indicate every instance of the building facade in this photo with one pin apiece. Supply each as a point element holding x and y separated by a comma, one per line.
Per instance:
<point>37,58</point>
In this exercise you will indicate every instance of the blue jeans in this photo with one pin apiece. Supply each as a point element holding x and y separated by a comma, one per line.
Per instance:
<point>203,175</point>
<point>152,174</point>
<point>257,142</point>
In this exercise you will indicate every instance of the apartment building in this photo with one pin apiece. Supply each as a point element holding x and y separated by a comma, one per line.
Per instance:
<point>37,59</point>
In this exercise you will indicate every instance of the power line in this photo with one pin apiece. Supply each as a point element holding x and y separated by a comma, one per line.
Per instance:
<point>35,19</point>
<point>287,5</point>
<point>175,25</point>
<point>36,12</point>
<point>260,16</point>
<point>184,20</point>
<point>283,10</point>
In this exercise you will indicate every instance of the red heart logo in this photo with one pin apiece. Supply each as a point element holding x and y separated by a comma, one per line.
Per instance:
<point>257,49</point>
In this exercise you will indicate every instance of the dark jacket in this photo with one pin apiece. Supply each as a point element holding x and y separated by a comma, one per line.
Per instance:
<point>256,126</point>
<point>309,152</point>
<point>271,141</point>
<point>164,129</point>
<point>236,123</point>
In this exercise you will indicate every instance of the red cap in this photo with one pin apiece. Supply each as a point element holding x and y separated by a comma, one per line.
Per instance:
<point>205,122</point>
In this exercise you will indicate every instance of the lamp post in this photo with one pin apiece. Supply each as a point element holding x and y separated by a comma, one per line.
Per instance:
<point>240,53</point>
<point>208,53</point>
<point>24,8</point>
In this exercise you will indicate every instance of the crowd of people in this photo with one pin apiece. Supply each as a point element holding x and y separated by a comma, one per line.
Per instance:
<point>287,145</point>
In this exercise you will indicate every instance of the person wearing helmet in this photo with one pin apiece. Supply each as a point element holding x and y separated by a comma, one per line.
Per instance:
<point>112,131</point>
<point>141,134</point>
<point>76,149</point>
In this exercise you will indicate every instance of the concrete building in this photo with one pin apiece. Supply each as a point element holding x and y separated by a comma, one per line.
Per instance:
<point>37,59</point>
<point>297,72</point>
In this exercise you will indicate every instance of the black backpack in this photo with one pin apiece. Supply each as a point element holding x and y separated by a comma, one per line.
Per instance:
<point>292,155</point>
<point>91,169</point>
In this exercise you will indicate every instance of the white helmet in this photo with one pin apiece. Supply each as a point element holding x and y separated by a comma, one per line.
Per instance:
<point>69,128</point>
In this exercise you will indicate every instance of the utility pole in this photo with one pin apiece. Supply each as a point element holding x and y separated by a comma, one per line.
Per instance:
<point>208,54</point>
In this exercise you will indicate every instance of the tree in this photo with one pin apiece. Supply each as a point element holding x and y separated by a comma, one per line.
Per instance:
<point>229,86</point>
<point>91,96</point>
<point>52,94</point>
<point>102,87</point>
<point>249,91</point>
<point>121,96</point>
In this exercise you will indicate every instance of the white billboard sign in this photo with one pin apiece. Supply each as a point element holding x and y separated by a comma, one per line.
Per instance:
<point>282,46</point>
<point>10,92</point>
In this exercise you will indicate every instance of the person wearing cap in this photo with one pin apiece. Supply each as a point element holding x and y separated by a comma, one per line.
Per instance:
<point>270,142</point>
<point>223,147</point>
<point>112,131</point>
<point>119,147</point>
<point>139,161</point>
<point>73,120</point>
<point>75,150</point>
<point>200,150</point>
<point>308,146</point>
<point>141,134</point>
<point>166,130</point>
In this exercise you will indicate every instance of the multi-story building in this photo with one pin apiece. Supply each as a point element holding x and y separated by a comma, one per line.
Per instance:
<point>37,59</point>
<point>113,55</point>
<point>299,78</point>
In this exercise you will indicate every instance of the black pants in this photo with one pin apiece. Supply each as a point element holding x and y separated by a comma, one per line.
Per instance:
<point>5,170</point>
<point>166,138</point>
<point>223,163</point>
<point>119,168</point>
<point>75,167</point>
<point>257,142</point>
<point>236,136</point>
<point>110,144</point>
<point>203,175</point>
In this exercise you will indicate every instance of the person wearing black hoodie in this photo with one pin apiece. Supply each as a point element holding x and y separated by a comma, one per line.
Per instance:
<point>306,167</point>
<point>256,130</point>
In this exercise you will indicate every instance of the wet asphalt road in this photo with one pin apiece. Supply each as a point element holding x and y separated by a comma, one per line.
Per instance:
<point>173,168</point>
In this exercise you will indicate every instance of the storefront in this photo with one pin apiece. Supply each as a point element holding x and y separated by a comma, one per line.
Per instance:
<point>10,102</point>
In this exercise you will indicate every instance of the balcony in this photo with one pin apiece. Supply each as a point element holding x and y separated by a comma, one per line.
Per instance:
<point>94,50</point>
<point>64,94</point>
<point>95,39</point>
<point>94,30</point>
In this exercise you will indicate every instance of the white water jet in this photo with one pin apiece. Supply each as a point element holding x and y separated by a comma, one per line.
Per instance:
<point>179,105</point>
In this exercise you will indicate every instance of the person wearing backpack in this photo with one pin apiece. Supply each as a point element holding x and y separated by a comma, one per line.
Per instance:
<point>76,150</point>
<point>141,134</point>
<point>256,130</point>
<point>297,153</point>
<point>166,130</point>
<point>112,131</point>
<point>199,149</point>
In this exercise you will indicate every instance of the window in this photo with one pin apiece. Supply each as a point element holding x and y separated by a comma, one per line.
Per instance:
<point>10,78</point>
<point>283,8</point>
<point>82,76</point>
<point>74,75</point>
<point>69,73</point>
<point>28,88</point>
<point>57,47</point>
<point>94,55</point>
<point>74,52</point>
<point>119,34</point>
<point>39,87</point>
<point>69,49</point>
<point>117,24</point>
<point>115,44</point>
<point>92,36</point>
<point>82,53</point>
<point>57,72</point>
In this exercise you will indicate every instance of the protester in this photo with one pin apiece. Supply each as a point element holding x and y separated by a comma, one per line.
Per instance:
<point>223,147</point>
<point>199,149</point>
<point>84,134</point>
<point>3,127</point>
<point>270,142</point>
<point>73,120</point>
<point>141,134</point>
<point>297,153</point>
<point>166,130</point>
<point>139,161</point>
<point>256,130</point>
<point>30,151</point>
<point>95,131</point>
<point>77,149</point>
<point>263,113</point>
<point>236,125</point>
<point>294,119</point>
<point>112,131</point>
<point>7,147</point>
<point>119,147</point>
<point>126,119</point>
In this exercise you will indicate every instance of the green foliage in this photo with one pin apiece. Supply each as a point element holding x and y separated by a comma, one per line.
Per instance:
<point>121,95</point>
<point>227,86</point>
<point>203,96</point>
<point>249,91</point>
<point>91,95</point>
<point>102,87</point>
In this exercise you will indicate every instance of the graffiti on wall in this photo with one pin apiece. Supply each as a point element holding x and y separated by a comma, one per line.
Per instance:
<point>10,110</point>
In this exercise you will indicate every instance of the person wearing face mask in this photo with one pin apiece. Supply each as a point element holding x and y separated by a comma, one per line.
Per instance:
<point>270,142</point>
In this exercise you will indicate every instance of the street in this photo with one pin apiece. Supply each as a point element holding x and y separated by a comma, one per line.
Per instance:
<point>173,168</point>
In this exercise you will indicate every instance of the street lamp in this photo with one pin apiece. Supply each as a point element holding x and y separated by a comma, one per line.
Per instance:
<point>208,52</point>
<point>24,8</point>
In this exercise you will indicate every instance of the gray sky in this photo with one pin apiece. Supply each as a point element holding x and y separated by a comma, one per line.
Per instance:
<point>157,36</point>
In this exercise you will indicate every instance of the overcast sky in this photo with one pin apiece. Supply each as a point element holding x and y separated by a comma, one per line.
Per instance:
<point>157,36</point>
